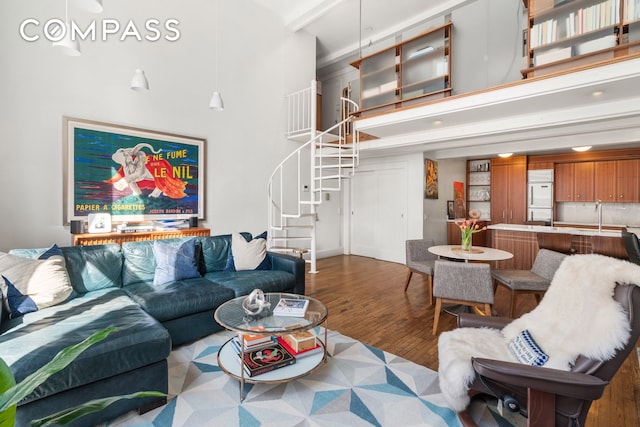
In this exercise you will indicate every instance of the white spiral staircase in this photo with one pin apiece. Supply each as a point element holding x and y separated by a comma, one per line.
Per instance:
<point>324,161</point>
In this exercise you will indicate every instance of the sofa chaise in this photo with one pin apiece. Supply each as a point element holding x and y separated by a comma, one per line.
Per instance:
<point>114,286</point>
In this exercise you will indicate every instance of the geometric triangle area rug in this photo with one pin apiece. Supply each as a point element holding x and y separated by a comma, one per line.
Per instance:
<point>359,385</point>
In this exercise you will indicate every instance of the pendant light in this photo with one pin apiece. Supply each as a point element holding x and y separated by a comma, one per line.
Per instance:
<point>139,81</point>
<point>93,6</point>
<point>216,102</point>
<point>67,45</point>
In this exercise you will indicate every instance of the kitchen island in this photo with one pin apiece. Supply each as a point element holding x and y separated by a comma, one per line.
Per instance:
<point>524,241</point>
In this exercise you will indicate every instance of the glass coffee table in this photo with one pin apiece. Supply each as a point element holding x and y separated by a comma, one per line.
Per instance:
<point>231,316</point>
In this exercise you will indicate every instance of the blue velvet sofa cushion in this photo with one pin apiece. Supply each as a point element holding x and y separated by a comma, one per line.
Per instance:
<point>90,268</point>
<point>180,298</point>
<point>27,343</point>
<point>243,282</point>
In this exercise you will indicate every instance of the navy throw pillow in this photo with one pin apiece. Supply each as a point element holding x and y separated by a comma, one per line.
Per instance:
<point>52,251</point>
<point>17,303</point>
<point>174,262</point>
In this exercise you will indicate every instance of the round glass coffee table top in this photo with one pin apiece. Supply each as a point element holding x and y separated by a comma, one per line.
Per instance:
<point>232,316</point>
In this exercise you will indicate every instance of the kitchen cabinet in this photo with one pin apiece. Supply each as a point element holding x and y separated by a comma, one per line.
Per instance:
<point>509,190</point>
<point>454,236</point>
<point>617,181</point>
<point>574,182</point>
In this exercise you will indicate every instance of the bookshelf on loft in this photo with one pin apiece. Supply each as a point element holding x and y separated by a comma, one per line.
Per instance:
<point>407,72</point>
<point>565,34</point>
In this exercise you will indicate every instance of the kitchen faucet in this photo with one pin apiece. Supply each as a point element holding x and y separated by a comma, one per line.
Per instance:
<point>599,209</point>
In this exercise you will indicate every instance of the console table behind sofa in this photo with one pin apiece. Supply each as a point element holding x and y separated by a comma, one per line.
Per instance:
<point>119,238</point>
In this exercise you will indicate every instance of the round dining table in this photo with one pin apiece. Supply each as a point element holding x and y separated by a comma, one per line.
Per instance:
<point>477,253</point>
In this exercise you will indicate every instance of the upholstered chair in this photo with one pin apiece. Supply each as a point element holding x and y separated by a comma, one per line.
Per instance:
<point>583,343</point>
<point>631,244</point>
<point>420,260</point>
<point>535,281</point>
<point>467,284</point>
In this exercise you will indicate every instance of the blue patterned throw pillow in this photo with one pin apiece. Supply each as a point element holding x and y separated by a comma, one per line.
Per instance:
<point>250,255</point>
<point>526,351</point>
<point>174,262</point>
<point>17,303</point>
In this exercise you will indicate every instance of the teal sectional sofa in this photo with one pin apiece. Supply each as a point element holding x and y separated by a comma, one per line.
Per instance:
<point>114,287</point>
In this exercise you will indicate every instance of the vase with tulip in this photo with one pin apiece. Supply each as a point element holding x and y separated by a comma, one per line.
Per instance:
<point>467,230</point>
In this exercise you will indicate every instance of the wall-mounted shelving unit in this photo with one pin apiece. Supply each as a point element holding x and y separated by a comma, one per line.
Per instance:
<point>479,189</point>
<point>406,73</point>
<point>566,34</point>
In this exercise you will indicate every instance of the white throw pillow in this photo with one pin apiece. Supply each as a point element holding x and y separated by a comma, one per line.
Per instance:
<point>247,255</point>
<point>45,281</point>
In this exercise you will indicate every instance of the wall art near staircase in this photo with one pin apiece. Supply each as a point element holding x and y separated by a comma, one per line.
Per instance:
<point>131,172</point>
<point>431,179</point>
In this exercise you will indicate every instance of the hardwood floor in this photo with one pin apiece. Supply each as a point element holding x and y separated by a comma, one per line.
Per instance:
<point>366,301</point>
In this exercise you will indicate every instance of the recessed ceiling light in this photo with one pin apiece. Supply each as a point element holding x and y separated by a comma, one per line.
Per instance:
<point>597,93</point>
<point>583,148</point>
<point>437,122</point>
<point>503,155</point>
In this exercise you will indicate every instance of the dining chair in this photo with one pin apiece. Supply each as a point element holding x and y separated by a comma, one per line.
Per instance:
<point>467,284</point>
<point>632,246</point>
<point>535,281</point>
<point>420,260</point>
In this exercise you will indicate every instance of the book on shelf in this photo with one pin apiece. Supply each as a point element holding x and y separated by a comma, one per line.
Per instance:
<point>134,227</point>
<point>317,348</point>
<point>253,346</point>
<point>170,224</point>
<point>256,339</point>
<point>295,307</point>
<point>267,359</point>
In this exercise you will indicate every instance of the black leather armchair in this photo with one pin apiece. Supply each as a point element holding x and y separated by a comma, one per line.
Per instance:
<point>631,244</point>
<point>551,396</point>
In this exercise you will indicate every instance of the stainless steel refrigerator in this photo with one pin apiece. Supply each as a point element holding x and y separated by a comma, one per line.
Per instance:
<point>540,195</point>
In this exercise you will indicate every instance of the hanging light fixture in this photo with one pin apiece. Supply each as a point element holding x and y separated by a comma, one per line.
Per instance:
<point>67,44</point>
<point>93,6</point>
<point>216,102</point>
<point>139,81</point>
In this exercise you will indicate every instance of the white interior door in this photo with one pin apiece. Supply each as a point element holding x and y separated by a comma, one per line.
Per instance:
<point>364,212</point>
<point>378,214</point>
<point>392,223</point>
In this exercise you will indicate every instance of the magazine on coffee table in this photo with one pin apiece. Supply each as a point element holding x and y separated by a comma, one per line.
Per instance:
<point>291,307</point>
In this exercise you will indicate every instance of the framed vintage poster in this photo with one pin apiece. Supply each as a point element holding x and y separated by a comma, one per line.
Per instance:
<point>431,179</point>
<point>130,173</point>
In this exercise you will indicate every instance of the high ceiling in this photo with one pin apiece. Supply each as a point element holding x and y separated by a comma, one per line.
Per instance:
<point>337,26</point>
<point>548,116</point>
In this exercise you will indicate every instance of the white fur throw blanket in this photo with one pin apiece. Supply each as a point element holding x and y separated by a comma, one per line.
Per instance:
<point>577,316</point>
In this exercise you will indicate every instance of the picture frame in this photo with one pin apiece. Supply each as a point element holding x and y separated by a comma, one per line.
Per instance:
<point>451,214</point>
<point>431,179</point>
<point>130,173</point>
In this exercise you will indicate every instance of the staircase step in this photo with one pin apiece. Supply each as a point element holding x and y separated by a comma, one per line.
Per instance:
<point>285,227</point>
<point>346,166</point>
<point>336,176</point>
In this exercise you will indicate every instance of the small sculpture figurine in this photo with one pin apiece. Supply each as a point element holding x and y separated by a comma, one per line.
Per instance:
<point>255,303</point>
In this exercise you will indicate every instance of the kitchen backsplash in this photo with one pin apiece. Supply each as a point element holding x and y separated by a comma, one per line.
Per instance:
<point>627,214</point>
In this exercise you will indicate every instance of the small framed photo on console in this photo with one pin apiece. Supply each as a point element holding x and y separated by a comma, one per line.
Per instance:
<point>99,223</point>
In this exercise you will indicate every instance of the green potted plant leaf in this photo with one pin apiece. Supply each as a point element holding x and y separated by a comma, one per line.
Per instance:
<point>11,393</point>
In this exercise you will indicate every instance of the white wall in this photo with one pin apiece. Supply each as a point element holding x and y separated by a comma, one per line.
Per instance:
<point>435,210</point>
<point>259,62</point>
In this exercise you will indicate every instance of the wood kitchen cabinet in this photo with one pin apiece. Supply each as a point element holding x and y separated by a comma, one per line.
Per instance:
<point>454,236</point>
<point>509,190</point>
<point>574,182</point>
<point>617,181</point>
